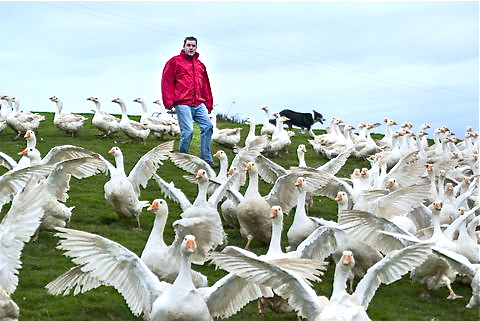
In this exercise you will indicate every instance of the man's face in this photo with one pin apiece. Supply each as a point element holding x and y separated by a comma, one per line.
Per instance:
<point>190,47</point>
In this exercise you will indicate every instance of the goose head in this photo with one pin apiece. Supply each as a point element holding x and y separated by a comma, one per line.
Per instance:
<point>55,99</point>
<point>250,167</point>
<point>138,100</point>
<point>276,212</point>
<point>265,108</point>
<point>114,151</point>
<point>94,99</point>
<point>249,120</point>
<point>158,102</point>
<point>32,153</point>
<point>220,154</point>
<point>232,171</point>
<point>158,207</point>
<point>29,134</point>
<point>301,149</point>
<point>346,261</point>
<point>341,197</point>
<point>391,182</point>
<point>201,175</point>
<point>189,245</point>
<point>437,207</point>
<point>299,182</point>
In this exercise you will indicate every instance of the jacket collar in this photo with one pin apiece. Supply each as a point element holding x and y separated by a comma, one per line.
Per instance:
<point>182,53</point>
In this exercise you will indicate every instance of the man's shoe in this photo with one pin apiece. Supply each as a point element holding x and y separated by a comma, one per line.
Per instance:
<point>214,166</point>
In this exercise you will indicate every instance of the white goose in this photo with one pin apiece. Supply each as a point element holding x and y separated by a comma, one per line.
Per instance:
<point>16,229</point>
<point>251,132</point>
<point>253,209</point>
<point>112,264</point>
<point>9,163</point>
<point>157,125</point>
<point>132,129</point>
<point>268,128</point>
<point>162,259</point>
<point>20,121</point>
<point>201,208</point>
<point>66,121</point>
<point>341,306</point>
<point>163,114</point>
<point>122,191</point>
<point>57,184</point>
<point>229,137</point>
<point>106,123</point>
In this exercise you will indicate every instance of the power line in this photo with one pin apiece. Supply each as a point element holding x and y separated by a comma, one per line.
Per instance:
<point>304,61</point>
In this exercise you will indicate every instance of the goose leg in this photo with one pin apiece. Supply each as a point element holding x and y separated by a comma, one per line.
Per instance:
<point>138,223</point>
<point>260,308</point>
<point>249,240</point>
<point>452,295</point>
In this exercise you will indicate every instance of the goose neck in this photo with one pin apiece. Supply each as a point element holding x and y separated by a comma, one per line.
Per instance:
<point>184,278</point>
<point>340,282</point>
<point>252,189</point>
<point>201,198</point>
<point>252,128</point>
<point>275,240</point>
<point>300,213</point>
<point>301,159</point>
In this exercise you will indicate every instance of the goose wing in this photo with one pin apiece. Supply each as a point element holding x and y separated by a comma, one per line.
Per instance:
<point>369,228</point>
<point>64,152</point>
<point>173,193</point>
<point>114,265</point>
<point>268,170</point>
<point>399,202</point>
<point>318,245</point>
<point>248,154</point>
<point>286,283</point>
<point>74,279</point>
<point>229,294</point>
<point>12,182</point>
<point>390,269</point>
<point>58,181</point>
<point>148,164</point>
<point>7,161</point>
<point>16,228</point>
<point>191,163</point>
<point>335,164</point>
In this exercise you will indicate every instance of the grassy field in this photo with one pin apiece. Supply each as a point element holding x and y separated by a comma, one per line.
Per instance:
<point>42,262</point>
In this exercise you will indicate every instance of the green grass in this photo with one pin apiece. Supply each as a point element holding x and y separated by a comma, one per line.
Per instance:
<point>42,262</point>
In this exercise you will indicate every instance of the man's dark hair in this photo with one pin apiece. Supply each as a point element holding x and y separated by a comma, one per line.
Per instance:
<point>189,38</point>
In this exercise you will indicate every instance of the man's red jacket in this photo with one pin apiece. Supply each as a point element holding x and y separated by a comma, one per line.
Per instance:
<point>185,82</point>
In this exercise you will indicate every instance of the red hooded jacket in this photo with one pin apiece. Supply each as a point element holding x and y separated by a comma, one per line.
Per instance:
<point>185,82</point>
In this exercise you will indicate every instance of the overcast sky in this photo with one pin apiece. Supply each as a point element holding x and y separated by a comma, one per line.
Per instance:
<point>360,61</point>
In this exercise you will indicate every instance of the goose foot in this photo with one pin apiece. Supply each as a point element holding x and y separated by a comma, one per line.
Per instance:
<point>452,295</point>
<point>260,308</point>
<point>424,294</point>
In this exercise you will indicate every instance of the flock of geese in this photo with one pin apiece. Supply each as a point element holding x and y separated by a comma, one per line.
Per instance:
<point>414,210</point>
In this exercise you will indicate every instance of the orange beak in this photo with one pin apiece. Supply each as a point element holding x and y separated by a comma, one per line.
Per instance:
<point>153,207</point>
<point>27,135</point>
<point>389,184</point>
<point>346,259</point>
<point>339,197</point>
<point>191,246</point>
<point>111,151</point>
<point>23,152</point>
<point>273,213</point>
<point>298,183</point>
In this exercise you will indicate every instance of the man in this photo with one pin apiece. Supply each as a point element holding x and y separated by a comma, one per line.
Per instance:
<point>186,87</point>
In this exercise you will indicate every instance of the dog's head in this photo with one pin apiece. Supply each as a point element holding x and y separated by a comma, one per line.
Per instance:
<point>317,117</point>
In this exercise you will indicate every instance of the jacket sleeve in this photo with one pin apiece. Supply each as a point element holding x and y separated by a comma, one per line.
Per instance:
<point>208,92</point>
<point>168,83</point>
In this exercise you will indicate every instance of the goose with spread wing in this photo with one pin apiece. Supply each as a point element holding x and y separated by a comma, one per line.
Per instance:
<point>16,229</point>
<point>341,306</point>
<point>200,208</point>
<point>162,259</point>
<point>57,185</point>
<point>66,121</point>
<point>113,264</point>
<point>122,191</point>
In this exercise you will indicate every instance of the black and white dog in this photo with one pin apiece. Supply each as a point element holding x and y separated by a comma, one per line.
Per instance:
<point>302,120</point>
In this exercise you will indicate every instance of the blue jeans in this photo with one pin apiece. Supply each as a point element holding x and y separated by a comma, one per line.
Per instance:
<point>186,115</point>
